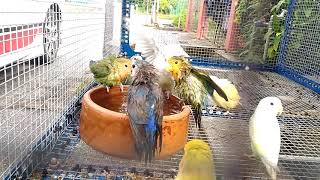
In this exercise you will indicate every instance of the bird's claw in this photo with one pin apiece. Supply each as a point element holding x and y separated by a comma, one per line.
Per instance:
<point>108,89</point>
<point>121,87</point>
<point>250,156</point>
<point>167,95</point>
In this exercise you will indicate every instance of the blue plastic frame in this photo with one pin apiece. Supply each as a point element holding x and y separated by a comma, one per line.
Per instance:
<point>125,35</point>
<point>280,68</point>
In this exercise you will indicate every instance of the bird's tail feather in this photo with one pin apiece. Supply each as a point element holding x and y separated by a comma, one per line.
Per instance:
<point>152,144</point>
<point>139,146</point>
<point>197,115</point>
<point>148,48</point>
<point>272,172</point>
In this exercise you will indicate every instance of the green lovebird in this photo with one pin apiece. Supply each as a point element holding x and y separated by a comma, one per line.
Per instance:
<point>111,71</point>
<point>192,85</point>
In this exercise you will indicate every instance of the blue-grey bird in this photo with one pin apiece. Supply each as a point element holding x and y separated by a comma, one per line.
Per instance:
<point>145,110</point>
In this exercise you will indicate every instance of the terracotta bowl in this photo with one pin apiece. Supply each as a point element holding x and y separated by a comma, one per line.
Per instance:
<point>106,129</point>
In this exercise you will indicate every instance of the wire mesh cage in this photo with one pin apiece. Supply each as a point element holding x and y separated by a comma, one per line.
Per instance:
<point>45,49</point>
<point>266,48</point>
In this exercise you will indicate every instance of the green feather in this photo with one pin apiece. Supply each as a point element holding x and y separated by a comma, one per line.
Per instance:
<point>193,93</point>
<point>103,71</point>
<point>208,83</point>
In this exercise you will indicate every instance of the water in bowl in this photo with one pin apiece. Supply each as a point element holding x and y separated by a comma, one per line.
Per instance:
<point>118,103</point>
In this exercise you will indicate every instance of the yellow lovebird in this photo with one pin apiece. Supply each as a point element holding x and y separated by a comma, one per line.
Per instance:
<point>197,162</point>
<point>230,90</point>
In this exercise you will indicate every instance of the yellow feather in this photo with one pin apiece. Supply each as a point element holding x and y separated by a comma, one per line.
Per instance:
<point>230,90</point>
<point>197,162</point>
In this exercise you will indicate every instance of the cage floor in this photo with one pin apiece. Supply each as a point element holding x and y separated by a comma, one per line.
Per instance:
<point>227,135</point>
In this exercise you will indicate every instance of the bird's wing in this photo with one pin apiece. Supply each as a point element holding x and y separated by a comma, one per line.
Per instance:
<point>148,48</point>
<point>101,68</point>
<point>137,98</point>
<point>166,81</point>
<point>266,136</point>
<point>209,84</point>
<point>228,87</point>
<point>170,50</point>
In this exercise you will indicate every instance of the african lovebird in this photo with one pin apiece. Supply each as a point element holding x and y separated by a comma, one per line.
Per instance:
<point>192,85</point>
<point>197,162</point>
<point>111,71</point>
<point>264,131</point>
<point>145,110</point>
<point>231,92</point>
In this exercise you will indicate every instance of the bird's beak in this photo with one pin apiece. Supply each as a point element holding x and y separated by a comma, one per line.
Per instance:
<point>167,67</point>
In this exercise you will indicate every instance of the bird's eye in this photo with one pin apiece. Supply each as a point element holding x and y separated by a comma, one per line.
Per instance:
<point>271,104</point>
<point>176,62</point>
<point>125,65</point>
<point>133,66</point>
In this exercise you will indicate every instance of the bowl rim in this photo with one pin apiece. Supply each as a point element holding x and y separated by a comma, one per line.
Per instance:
<point>185,110</point>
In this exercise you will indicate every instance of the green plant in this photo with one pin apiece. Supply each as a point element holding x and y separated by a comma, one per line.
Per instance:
<point>183,18</point>
<point>248,13</point>
<point>277,30</point>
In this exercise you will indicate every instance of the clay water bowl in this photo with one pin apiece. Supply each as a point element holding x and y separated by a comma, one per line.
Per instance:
<point>105,127</point>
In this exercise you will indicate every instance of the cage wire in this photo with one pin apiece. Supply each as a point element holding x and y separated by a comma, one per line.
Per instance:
<point>221,36</point>
<point>39,91</point>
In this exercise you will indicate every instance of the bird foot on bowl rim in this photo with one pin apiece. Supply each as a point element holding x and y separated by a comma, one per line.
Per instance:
<point>107,88</point>
<point>121,87</point>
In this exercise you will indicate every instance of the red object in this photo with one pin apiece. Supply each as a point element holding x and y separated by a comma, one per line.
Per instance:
<point>233,40</point>
<point>202,21</point>
<point>17,39</point>
<point>189,16</point>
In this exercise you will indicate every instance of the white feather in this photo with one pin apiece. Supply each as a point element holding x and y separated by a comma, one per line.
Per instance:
<point>157,52</point>
<point>264,132</point>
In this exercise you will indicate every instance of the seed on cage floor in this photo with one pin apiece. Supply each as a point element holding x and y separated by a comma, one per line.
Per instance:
<point>54,177</point>
<point>172,173</point>
<point>62,175</point>
<point>54,163</point>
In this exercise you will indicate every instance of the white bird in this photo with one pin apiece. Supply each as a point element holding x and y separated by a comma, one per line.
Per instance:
<point>264,131</point>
